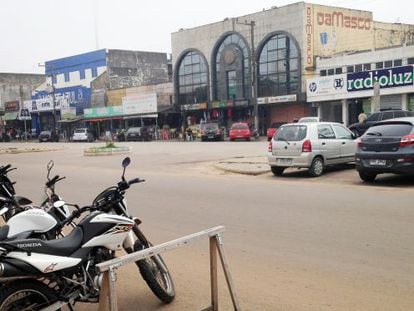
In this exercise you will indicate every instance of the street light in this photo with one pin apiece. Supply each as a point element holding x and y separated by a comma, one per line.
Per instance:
<point>252,24</point>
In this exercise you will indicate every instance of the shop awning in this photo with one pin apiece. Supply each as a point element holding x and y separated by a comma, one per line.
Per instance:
<point>8,116</point>
<point>102,119</point>
<point>71,120</point>
<point>140,115</point>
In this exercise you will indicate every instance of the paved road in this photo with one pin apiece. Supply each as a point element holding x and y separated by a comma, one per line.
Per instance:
<point>294,243</point>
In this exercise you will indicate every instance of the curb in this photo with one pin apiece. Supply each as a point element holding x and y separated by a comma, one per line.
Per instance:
<point>96,151</point>
<point>27,150</point>
<point>245,168</point>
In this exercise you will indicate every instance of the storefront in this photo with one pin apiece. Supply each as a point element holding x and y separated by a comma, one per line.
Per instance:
<point>342,97</point>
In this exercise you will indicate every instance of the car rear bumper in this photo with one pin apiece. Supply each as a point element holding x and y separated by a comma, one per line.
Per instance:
<point>395,167</point>
<point>211,137</point>
<point>304,160</point>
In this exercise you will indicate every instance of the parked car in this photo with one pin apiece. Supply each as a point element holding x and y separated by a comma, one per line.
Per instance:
<point>386,147</point>
<point>83,134</point>
<point>271,131</point>
<point>240,130</point>
<point>48,136</point>
<point>360,128</point>
<point>312,145</point>
<point>137,134</point>
<point>211,131</point>
<point>309,119</point>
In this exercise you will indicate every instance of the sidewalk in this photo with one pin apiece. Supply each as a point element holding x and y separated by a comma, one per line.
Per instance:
<point>244,165</point>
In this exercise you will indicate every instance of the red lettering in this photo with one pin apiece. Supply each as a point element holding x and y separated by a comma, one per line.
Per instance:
<point>320,18</point>
<point>367,24</point>
<point>338,19</point>
<point>354,23</point>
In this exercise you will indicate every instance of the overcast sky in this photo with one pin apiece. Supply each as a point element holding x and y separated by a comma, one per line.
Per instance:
<point>34,31</point>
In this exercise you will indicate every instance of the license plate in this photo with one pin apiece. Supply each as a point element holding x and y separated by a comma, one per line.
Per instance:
<point>377,162</point>
<point>284,161</point>
<point>210,136</point>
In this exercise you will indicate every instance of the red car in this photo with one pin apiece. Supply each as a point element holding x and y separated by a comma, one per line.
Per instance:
<point>271,131</point>
<point>240,131</point>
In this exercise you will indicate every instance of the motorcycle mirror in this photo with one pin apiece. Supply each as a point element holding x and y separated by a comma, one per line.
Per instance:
<point>59,204</point>
<point>125,163</point>
<point>49,168</point>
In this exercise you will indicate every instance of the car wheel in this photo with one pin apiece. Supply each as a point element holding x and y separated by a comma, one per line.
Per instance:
<point>367,177</point>
<point>317,167</point>
<point>277,171</point>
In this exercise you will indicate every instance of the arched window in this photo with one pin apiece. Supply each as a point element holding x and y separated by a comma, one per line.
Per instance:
<point>231,65</point>
<point>278,67</point>
<point>192,79</point>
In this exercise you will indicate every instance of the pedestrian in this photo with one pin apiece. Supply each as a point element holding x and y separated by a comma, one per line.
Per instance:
<point>362,117</point>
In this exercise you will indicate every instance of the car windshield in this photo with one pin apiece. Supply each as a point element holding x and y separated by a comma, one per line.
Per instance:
<point>239,127</point>
<point>133,129</point>
<point>210,126</point>
<point>80,131</point>
<point>291,133</point>
<point>390,129</point>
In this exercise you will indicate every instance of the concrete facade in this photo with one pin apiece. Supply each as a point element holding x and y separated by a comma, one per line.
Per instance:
<point>18,87</point>
<point>317,31</point>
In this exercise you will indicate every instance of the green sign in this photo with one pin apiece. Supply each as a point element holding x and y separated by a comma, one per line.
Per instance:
<point>103,112</point>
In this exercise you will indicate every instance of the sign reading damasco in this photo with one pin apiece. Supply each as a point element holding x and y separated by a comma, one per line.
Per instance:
<point>387,78</point>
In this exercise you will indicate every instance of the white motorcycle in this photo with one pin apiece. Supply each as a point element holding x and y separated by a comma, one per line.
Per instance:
<point>25,220</point>
<point>39,272</point>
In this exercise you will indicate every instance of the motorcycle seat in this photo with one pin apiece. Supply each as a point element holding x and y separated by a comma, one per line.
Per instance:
<point>59,247</point>
<point>64,246</point>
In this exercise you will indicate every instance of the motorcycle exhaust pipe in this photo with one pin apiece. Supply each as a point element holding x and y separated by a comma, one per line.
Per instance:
<point>8,270</point>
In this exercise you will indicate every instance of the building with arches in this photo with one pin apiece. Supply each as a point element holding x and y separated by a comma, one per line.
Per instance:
<point>224,70</point>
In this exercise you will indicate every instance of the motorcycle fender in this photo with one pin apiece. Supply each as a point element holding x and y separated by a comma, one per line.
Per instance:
<point>129,241</point>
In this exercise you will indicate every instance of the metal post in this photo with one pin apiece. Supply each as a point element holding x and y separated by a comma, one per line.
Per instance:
<point>252,24</point>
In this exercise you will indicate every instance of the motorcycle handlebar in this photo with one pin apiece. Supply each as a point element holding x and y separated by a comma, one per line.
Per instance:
<point>76,213</point>
<point>5,169</point>
<point>54,180</point>
<point>135,181</point>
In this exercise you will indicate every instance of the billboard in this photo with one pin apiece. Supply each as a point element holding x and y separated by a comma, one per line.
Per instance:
<point>394,80</point>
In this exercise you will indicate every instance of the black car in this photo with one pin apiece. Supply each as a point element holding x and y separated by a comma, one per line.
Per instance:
<point>211,131</point>
<point>386,147</point>
<point>137,134</point>
<point>360,128</point>
<point>48,136</point>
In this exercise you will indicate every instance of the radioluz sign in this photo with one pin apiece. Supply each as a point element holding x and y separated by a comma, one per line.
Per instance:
<point>387,78</point>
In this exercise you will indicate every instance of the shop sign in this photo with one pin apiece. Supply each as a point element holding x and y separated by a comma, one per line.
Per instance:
<point>198,106</point>
<point>11,106</point>
<point>24,114</point>
<point>276,99</point>
<point>387,78</point>
<point>325,86</point>
<point>309,36</point>
<point>44,104</point>
<point>241,103</point>
<point>140,104</point>
<point>341,19</point>
<point>103,112</point>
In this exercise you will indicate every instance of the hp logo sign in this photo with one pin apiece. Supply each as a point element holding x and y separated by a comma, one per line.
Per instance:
<point>313,87</point>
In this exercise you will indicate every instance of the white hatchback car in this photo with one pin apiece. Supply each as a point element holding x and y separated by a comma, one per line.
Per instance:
<point>313,145</point>
<point>83,134</point>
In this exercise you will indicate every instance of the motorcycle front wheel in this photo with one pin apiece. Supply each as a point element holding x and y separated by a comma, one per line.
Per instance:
<point>156,275</point>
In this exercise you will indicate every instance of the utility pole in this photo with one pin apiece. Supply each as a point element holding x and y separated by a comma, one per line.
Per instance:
<point>51,90</point>
<point>252,24</point>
